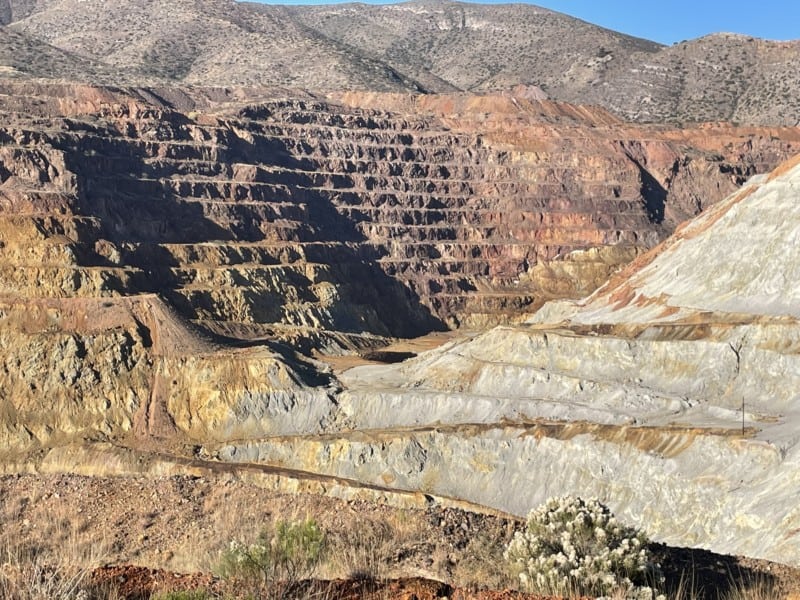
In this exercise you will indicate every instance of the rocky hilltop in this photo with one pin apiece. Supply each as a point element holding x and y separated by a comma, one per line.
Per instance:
<point>434,46</point>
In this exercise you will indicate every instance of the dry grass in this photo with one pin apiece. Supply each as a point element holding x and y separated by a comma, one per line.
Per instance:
<point>738,587</point>
<point>375,547</point>
<point>483,566</point>
<point>761,589</point>
<point>364,552</point>
<point>58,570</point>
<point>27,574</point>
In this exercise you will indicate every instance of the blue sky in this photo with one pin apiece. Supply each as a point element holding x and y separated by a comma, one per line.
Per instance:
<point>669,21</point>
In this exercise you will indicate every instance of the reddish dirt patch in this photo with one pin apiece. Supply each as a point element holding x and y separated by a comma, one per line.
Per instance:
<point>419,589</point>
<point>139,583</point>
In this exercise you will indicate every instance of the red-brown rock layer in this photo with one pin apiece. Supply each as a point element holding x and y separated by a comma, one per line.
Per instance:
<point>261,212</point>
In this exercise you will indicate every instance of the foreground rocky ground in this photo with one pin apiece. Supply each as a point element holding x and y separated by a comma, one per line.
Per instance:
<point>179,524</point>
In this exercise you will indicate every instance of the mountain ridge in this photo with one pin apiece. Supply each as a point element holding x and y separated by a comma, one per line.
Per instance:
<point>427,47</point>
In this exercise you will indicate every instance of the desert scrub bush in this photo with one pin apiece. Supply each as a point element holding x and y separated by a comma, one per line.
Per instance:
<point>573,546</point>
<point>277,562</point>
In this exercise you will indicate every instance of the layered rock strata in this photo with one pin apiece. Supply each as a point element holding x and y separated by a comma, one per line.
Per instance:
<point>270,216</point>
<point>671,393</point>
<point>161,250</point>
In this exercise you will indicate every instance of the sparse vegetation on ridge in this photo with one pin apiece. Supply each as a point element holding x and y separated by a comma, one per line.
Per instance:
<point>432,47</point>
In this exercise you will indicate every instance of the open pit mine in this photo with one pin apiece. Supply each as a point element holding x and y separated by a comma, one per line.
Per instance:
<point>205,280</point>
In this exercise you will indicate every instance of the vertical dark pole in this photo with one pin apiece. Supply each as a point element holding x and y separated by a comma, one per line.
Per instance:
<point>742,415</point>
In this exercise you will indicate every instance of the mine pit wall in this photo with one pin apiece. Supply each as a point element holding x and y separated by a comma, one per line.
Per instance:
<point>277,213</point>
<point>237,397</point>
<point>84,369</point>
<point>57,384</point>
<point>115,230</point>
<point>518,415</point>
<point>694,366</point>
<point>657,484</point>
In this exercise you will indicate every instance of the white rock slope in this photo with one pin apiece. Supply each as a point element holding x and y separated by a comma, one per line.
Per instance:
<point>672,393</point>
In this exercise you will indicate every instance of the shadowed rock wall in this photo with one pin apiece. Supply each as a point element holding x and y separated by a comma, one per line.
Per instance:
<point>384,215</point>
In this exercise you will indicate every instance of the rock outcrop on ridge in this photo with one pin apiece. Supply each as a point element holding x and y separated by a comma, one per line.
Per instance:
<point>671,393</point>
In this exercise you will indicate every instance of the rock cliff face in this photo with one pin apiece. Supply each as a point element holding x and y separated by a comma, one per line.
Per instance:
<point>270,215</point>
<point>671,393</point>
<point>81,368</point>
<point>164,252</point>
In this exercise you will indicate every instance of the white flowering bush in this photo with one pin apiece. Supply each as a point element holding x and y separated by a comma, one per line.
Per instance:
<point>570,545</point>
<point>277,562</point>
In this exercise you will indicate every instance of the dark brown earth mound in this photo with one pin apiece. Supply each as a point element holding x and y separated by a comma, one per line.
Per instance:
<point>140,583</point>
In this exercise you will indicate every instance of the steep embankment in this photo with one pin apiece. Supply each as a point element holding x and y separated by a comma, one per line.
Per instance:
<point>671,393</point>
<point>127,368</point>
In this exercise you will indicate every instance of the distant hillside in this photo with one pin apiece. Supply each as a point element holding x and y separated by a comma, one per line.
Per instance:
<point>475,47</point>
<point>427,46</point>
<point>23,55</point>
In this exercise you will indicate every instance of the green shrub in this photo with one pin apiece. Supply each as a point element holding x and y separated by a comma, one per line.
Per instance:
<point>572,546</point>
<point>277,562</point>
